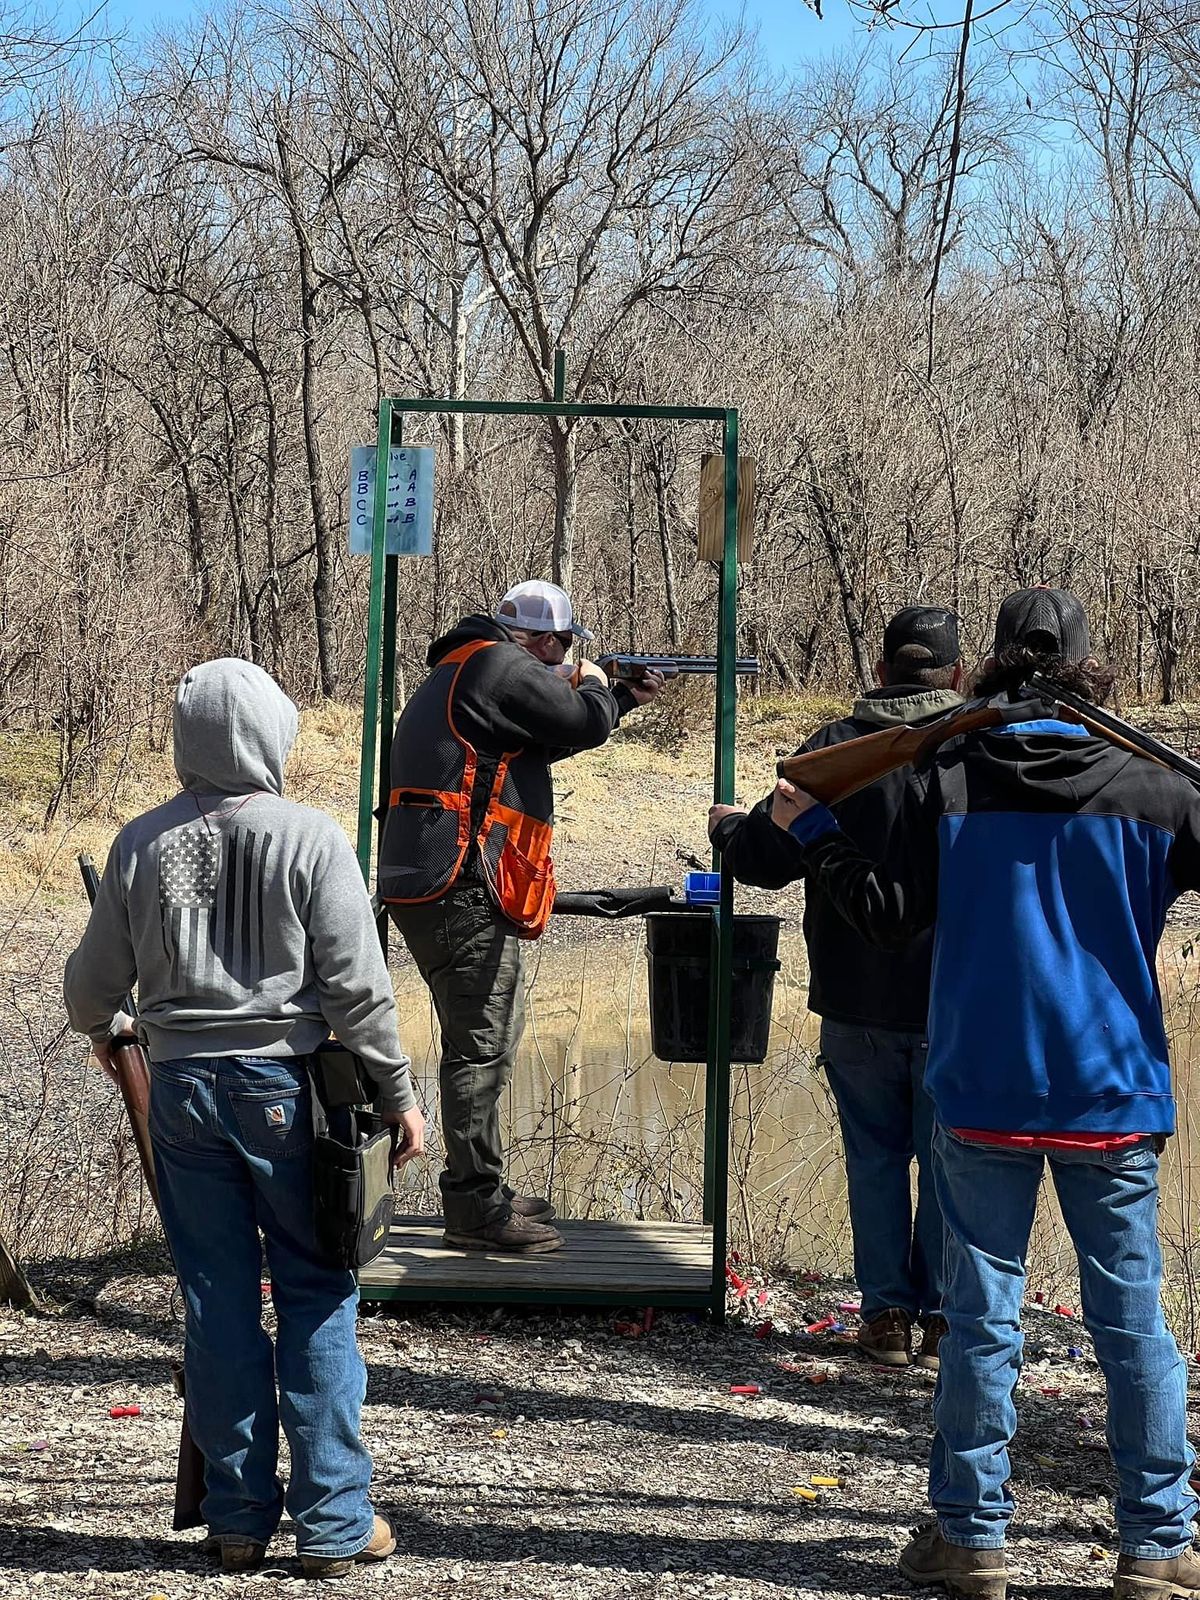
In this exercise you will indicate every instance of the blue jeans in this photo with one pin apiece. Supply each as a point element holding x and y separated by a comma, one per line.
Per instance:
<point>1109,1203</point>
<point>877,1078</point>
<point>232,1140</point>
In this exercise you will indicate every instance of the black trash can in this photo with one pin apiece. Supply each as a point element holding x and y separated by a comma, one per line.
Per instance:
<point>678,952</point>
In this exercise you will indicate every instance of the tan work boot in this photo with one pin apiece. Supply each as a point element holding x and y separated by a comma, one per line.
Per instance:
<point>1137,1579</point>
<point>928,1559</point>
<point>508,1236</point>
<point>887,1337</point>
<point>235,1553</point>
<point>383,1542</point>
<point>927,1356</point>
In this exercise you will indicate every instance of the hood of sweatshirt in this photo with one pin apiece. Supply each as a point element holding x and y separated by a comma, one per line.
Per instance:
<point>897,704</point>
<point>1045,758</point>
<point>234,729</point>
<point>466,632</point>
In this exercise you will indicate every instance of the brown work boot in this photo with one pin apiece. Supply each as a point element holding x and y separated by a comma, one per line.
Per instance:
<point>887,1337</point>
<point>383,1542</point>
<point>927,1559</point>
<point>927,1356</point>
<point>235,1553</point>
<point>529,1205</point>
<point>1137,1579</point>
<point>512,1235</point>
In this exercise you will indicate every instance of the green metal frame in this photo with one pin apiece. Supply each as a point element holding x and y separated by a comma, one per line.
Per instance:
<point>378,715</point>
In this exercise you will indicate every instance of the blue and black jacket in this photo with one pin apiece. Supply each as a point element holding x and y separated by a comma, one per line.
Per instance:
<point>1045,859</point>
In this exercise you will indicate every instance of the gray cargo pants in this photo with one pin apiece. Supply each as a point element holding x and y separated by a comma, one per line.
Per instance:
<point>471,959</point>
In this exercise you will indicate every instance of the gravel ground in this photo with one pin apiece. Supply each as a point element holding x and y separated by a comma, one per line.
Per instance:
<point>528,1456</point>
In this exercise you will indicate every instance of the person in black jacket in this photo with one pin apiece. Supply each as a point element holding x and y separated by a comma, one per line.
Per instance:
<point>465,869</point>
<point>1045,859</point>
<point>873,1004</point>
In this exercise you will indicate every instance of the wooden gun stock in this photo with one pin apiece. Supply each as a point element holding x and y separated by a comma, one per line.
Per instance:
<point>133,1080</point>
<point>840,770</point>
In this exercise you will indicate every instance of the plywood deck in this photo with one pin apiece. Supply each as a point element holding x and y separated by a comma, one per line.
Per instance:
<point>616,1263</point>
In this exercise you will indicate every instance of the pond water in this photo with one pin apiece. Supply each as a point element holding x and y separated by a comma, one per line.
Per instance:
<point>594,1120</point>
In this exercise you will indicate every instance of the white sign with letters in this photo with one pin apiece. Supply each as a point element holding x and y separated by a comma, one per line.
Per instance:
<point>409,527</point>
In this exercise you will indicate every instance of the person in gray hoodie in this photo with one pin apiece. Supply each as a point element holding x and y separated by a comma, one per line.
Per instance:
<point>244,921</point>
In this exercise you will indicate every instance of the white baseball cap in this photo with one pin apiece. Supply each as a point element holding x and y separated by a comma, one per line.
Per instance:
<point>537,607</point>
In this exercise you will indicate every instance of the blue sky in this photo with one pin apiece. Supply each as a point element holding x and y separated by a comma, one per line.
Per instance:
<point>788,31</point>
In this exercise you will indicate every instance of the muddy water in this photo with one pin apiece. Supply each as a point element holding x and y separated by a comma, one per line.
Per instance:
<point>595,1120</point>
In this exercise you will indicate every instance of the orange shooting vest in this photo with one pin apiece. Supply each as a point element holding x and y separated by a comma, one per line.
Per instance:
<point>427,832</point>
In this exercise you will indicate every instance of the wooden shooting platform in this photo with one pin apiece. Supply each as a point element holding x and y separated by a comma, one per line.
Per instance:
<point>601,1263</point>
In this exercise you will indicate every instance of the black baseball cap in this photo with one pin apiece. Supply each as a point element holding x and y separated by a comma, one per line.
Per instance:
<point>932,629</point>
<point>1049,621</point>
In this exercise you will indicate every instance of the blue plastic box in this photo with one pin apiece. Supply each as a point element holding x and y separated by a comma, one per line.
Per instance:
<point>702,888</point>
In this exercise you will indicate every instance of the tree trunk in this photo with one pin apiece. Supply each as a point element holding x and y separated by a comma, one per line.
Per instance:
<point>663,516</point>
<point>322,590</point>
<point>631,532</point>
<point>563,440</point>
<point>830,525</point>
<point>458,375</point>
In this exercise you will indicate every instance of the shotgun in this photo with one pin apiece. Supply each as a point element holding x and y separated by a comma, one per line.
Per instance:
<point>627,668</point>
<point>133,1080</point>
<point>840,770</point>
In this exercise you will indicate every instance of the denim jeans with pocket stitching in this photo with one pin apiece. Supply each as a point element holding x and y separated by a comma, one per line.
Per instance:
<point>232,1139</point>
<point>1109,1202</point>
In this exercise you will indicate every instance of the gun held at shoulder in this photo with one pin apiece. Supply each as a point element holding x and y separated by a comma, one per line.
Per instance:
<point>634,667</point>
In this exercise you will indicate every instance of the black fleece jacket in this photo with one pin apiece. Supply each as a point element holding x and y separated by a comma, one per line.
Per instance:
<point>850,980</point>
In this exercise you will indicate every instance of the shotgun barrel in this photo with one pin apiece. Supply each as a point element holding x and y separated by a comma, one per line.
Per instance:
<point>634,667</point>
<point>1117,731</point>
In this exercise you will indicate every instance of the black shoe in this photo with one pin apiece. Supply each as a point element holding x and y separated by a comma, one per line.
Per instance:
<point>512,1235</point>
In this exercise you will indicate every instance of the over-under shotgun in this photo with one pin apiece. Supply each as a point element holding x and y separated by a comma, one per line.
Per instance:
<point>840,770</point>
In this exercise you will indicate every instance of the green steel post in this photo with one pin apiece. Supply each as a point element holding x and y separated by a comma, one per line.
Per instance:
<point>717,1085</point>
<point>560,374</point>
<point>387,689</point>
<point>371,672</point>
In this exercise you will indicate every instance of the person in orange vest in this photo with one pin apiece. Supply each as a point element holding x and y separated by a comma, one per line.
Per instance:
<point>466,874</point>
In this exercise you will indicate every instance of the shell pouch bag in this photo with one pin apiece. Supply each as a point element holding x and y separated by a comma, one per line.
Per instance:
<point>353,1198</point>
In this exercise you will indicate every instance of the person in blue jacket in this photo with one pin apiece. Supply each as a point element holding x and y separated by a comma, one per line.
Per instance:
<point>1045,860</point>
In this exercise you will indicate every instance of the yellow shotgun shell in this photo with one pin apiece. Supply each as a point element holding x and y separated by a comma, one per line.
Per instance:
<point>825,1483</point>
<point>806,1493</point>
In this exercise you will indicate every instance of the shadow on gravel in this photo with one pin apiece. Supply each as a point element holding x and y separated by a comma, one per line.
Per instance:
<point>25,1549</point>
<point>718,1423</point>
<point>143,1371</point>
<point>780,1560</point>
<point>74,1279</point>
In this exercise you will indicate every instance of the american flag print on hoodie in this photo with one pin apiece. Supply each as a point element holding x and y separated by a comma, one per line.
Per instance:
<point>210,893</point>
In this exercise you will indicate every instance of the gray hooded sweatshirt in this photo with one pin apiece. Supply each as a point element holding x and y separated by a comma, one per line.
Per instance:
<point>241,916</point>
